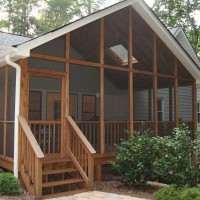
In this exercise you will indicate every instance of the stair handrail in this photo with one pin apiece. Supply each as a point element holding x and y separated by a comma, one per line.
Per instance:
<point>31,157</point>
<point>81,152</point>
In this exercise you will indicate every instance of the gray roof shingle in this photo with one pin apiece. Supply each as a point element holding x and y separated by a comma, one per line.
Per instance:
<point>7,40</point>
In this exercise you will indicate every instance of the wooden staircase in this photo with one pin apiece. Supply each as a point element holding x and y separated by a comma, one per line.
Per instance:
<point>49,177</point>
<point>60,178</point>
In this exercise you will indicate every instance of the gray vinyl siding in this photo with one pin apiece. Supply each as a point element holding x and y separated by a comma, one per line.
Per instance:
<point>185,103</point>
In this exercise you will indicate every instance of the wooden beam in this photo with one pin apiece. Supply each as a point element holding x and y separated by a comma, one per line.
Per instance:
<point>67,68</point>
<point>46,73</point>
<point>155,85</point>
<point>130,61</point>
<point>47,57</point>
<point>176,92</point>
<point>102,124</point>
<point>170,104</point>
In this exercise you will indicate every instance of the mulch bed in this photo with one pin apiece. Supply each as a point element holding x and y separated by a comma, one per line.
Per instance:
<point>111,183</point>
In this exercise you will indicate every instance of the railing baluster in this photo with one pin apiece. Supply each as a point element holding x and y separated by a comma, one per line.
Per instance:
<point>31,159</point>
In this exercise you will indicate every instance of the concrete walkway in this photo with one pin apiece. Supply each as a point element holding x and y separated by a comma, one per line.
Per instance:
<point>96,195</point>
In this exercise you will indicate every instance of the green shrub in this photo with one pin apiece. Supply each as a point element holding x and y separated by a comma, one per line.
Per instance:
<point>135,159</point>
<point>174,165</point>
<point>191,194</point>
<point>168,193</point>
<point>9,185</point>
<point>173,193</point>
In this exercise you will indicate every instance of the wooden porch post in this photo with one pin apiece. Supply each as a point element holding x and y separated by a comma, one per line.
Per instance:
<point>176,91</point>
<point>131,71</point>
<point>155,86</point>
<point>66,139</point>
<point>24,88</point>
<point>23,100</point>
<point>102,124</point>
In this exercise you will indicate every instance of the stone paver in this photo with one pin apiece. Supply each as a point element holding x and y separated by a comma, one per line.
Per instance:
<point>96,195</point>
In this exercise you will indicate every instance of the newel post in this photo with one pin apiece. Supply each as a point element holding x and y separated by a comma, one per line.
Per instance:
<point>90,172</point>
<point>38,177</point>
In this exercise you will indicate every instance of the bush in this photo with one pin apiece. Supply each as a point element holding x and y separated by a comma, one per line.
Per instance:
<point>168,193</point>
<point>173,193</point>
<point>191,194</point>
<point>9,185</point>
<point>174,165</point>
<point>135,159</point>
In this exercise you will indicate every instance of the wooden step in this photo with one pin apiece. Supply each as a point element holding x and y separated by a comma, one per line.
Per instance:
<point>61,194</point>
<point>62,182</point>
<point>57,160</point>
<point>59,171</point>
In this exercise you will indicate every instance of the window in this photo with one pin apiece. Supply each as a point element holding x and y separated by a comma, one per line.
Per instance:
<point>35,105</point>
<point>89,107</point>
<point>120,55</point>
<point>57,110</point>
<point>160,110</point>
<point>198,112</point>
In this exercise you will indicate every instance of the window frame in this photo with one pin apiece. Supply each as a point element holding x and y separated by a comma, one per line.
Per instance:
<point>83,112</point>
<point>162,109</point>
<point>198,112</point>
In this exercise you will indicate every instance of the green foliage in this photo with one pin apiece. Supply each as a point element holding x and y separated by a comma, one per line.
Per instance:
<point>180,12</point>
<point>173,193</point>
<point>9,185</point>
<point>168,193</point>
<point>135,159</point>
<point>175,160</point>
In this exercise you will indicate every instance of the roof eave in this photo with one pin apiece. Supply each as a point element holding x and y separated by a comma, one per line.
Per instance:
<point>15,55</point>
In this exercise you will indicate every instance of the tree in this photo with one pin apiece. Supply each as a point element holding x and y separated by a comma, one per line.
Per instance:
<point>180,12</point>
<point>56,13</point>
<point>18,18</point>
<point>60,12</point>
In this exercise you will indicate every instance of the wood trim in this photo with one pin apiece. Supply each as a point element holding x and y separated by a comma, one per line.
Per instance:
<point>46,73</point>
<point>78,166</point>
<point>176,91</point>
<point>47,57</point>
<point>43,122</point>
<point>30,137</point>
<point>136,71</point>
<point>67,69</point>
<point>80,135</point>
<point>155,85</point>
<point>130,61</point>
<point>102,125</point>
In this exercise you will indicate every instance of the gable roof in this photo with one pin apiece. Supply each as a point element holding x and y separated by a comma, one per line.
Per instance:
<point>23,50</point>
<point>181,37</point>
<point>8,40</point>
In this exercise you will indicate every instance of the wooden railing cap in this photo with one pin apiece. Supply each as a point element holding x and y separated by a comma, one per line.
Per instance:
<point>81,135</point>
<point>33,142</point>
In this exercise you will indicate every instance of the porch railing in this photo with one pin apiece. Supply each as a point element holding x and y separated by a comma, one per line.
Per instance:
<point>30,159</point>
<point>91,130</point>
<point>47,134</point>
<point>81,152</point>
<point>114,132</point>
